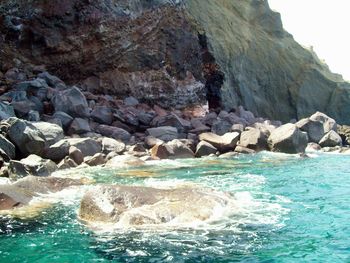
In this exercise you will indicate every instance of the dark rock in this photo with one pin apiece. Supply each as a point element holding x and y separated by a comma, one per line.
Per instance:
<point>165,133</point>
<point>131,101</point>
<point>237,128</point>
<point>288,139</point>
<point>52,132</point>
<point>114,132</point>
<point>53,81</point>
<point>97,159</point>
<point>220,127</point>
<point>102,114</point>
<point>79,126</point>
<point>6,111</point>
<point>33,115</point>
<point>205,149</point>
<point>331,139</point>
<point>7,147</point>
<point>172,120</point>
<point>76,155</point>
<point>64,117</point>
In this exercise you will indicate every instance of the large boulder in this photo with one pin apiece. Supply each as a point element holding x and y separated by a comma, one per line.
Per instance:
<point>59,150</point>
<point>7,147</point>
<point>136,206</point>
<point>329,124</point>
<point>172,120</point>
<point>288,139</point>
<point>32,165</point>
<point>65,119</point>
<point>224,143</point>
<point>254,139</point>
<point>112,145</point>
<point>114,132</point>
<point>79,126</point>
<point>102,114</point>
<point>27,138</point>
<point>52,132</point>
<point>331,139</point>
<point>314,129</point>
<point>344,132</point>
<point>204,149</point>
<point>165,133</point>
<point>174,149</point>
<point>71,101</point>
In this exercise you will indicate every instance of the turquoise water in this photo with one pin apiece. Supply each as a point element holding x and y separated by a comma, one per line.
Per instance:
<point>291,210</point>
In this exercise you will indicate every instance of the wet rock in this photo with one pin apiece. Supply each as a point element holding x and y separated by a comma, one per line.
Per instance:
<point>79,126</point>
<point>27,138</point>
<point>312,147</point>
<point>52,132</point>
<point>172,150</point>
<point>71,101</point>
<point>228,155</point>
<point>112,145</point>
<point>124,161</point>
<point>32,165</point>
<point>67,163</point>
<point>64,118</point>
<point>165,133</point>
<point>76,155</point>
<point>288,139</point>
<point>254,139</point>
<point>59,150</point>
<point>205,149</point>
<point>244,150</point>
<point>97,159</point>
<point>7,147</point>
<point>224,143</point>
<point>131,206</point>
<point>6,111</point>
<point>114,132</point>
<point>331,139</point>
<point>102,114</point>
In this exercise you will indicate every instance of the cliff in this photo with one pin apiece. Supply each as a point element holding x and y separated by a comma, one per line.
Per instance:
<point>172,52</point>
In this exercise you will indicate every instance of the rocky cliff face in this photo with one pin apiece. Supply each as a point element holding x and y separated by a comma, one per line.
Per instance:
<point>172,52</point>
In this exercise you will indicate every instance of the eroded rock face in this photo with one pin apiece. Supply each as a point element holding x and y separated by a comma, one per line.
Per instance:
<point>132,206</point>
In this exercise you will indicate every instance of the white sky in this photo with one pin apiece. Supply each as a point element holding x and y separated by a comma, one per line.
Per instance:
<point>323,24</point>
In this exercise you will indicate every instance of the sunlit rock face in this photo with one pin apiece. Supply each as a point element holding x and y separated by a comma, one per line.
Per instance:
<point>154,51</point>
<point>134,206</point>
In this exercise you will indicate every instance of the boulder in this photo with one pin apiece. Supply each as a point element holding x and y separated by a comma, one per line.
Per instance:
<point>53,81</point>
<point>67,163</point>
<point>59,150</point>
<point>137,206</point>
<point>145,118</point>
<point>65,119</point>
<point>172,150</point>
<point>329,124</point>
<point>244,150</point>
<point>97,159</point>
<point>102,114</point>
<point>33,115</point>
<point>131,101</point>
<point>238,128</point>
<point>224,143</point>
<point>114,132</point>
<point>32,165</point>
<point>165,133</point>
<point>220,127</point>
<point>331,139</point>
<point>112,145</point>
<point>124,161</point>
<point>27,138</point>
<point>76,155</point>
<point>52,132</point>
<point>79,126</point>
<point>246,115</point>
<point>152,141</point>
<point>210,118</point>
<point>288,139</point>
<point>254,139</point>
<point>172,120</point>
<point>312,147</point>
<point>344,132</point>
<point>71,101</point>
<point>6,111</point>
<point>7,147</point>
<point>205,149</point>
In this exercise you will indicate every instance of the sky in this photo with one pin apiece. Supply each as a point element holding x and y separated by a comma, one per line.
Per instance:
<point>322,24</point>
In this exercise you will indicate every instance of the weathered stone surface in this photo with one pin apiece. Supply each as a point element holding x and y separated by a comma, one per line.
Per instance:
<point>97,159</point>
<point>329,124</point>
<point>53,81</point>
<point>205,149</point>
<point>6,111</point>
<point>152,141</point>
<point>172,150</point>
<point>65,119</point>
<point>133,206</point>
<point>254,139</point>
<point>76,155</point>
<point>79,126</point>
<point>67,163</point>
<point>124,161</point>
<point>220,127</point>
<point>112,145</point>
<point>60,149</point>
<point>172,120</point>
<point>288,139</point>
<point>7,147</point>
<point>130,101</point>
<point>52,132</point>
<point>244,150</point>
<point>344,132</point>
<point>71,101</point>
<point>165,133</point>
<point>102,114</point>
<point>331,139</point>
<point>312,147</point>
<point>32,165</point>
<point>224,143</point>
<point>114,132</point>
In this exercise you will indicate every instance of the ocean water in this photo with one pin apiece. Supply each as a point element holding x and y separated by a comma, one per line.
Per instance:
<point>288,209</point>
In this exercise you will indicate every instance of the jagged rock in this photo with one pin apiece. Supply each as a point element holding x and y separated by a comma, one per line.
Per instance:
<point>329,124</point>
<point>254,139</point>
<point>6,111</point>
<point>79,126</point>
<point>205,149</point>
<point>112,145</point>
<point>220,127</point>
<point>27,138</point>
<point>210,118</point>
<point>130,101</point>
<point>32,165</point>
<point>124,161</point>
<point>246,115</point>
<point>102,114</point>
<point>145,118</point>
<point>114,132</point>
<point>71,101</point>
<point>312,147</point>
<point>64,118</point>
<point>244,150</point>
<point>97,159</point>
<point>59,150</point>
<point>331,139</point>
<point>76,155</point>
<point>7,147</point>
<point>137,205</point>
<point>314,129</point>
<point>53,81</point>
<point>288,139</point>
<point>224,143</point>
<point>172,120</point>
<point>165,133</point>
<point>52,132</point>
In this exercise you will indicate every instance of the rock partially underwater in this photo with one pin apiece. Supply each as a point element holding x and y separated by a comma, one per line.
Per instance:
<point>136,206</point>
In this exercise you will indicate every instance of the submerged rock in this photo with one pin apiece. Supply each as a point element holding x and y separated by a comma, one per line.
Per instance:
<point>134,206</point>
<point>124,161</point>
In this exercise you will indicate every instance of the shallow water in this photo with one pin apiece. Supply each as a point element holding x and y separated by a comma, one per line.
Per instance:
<point>289,209</point>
